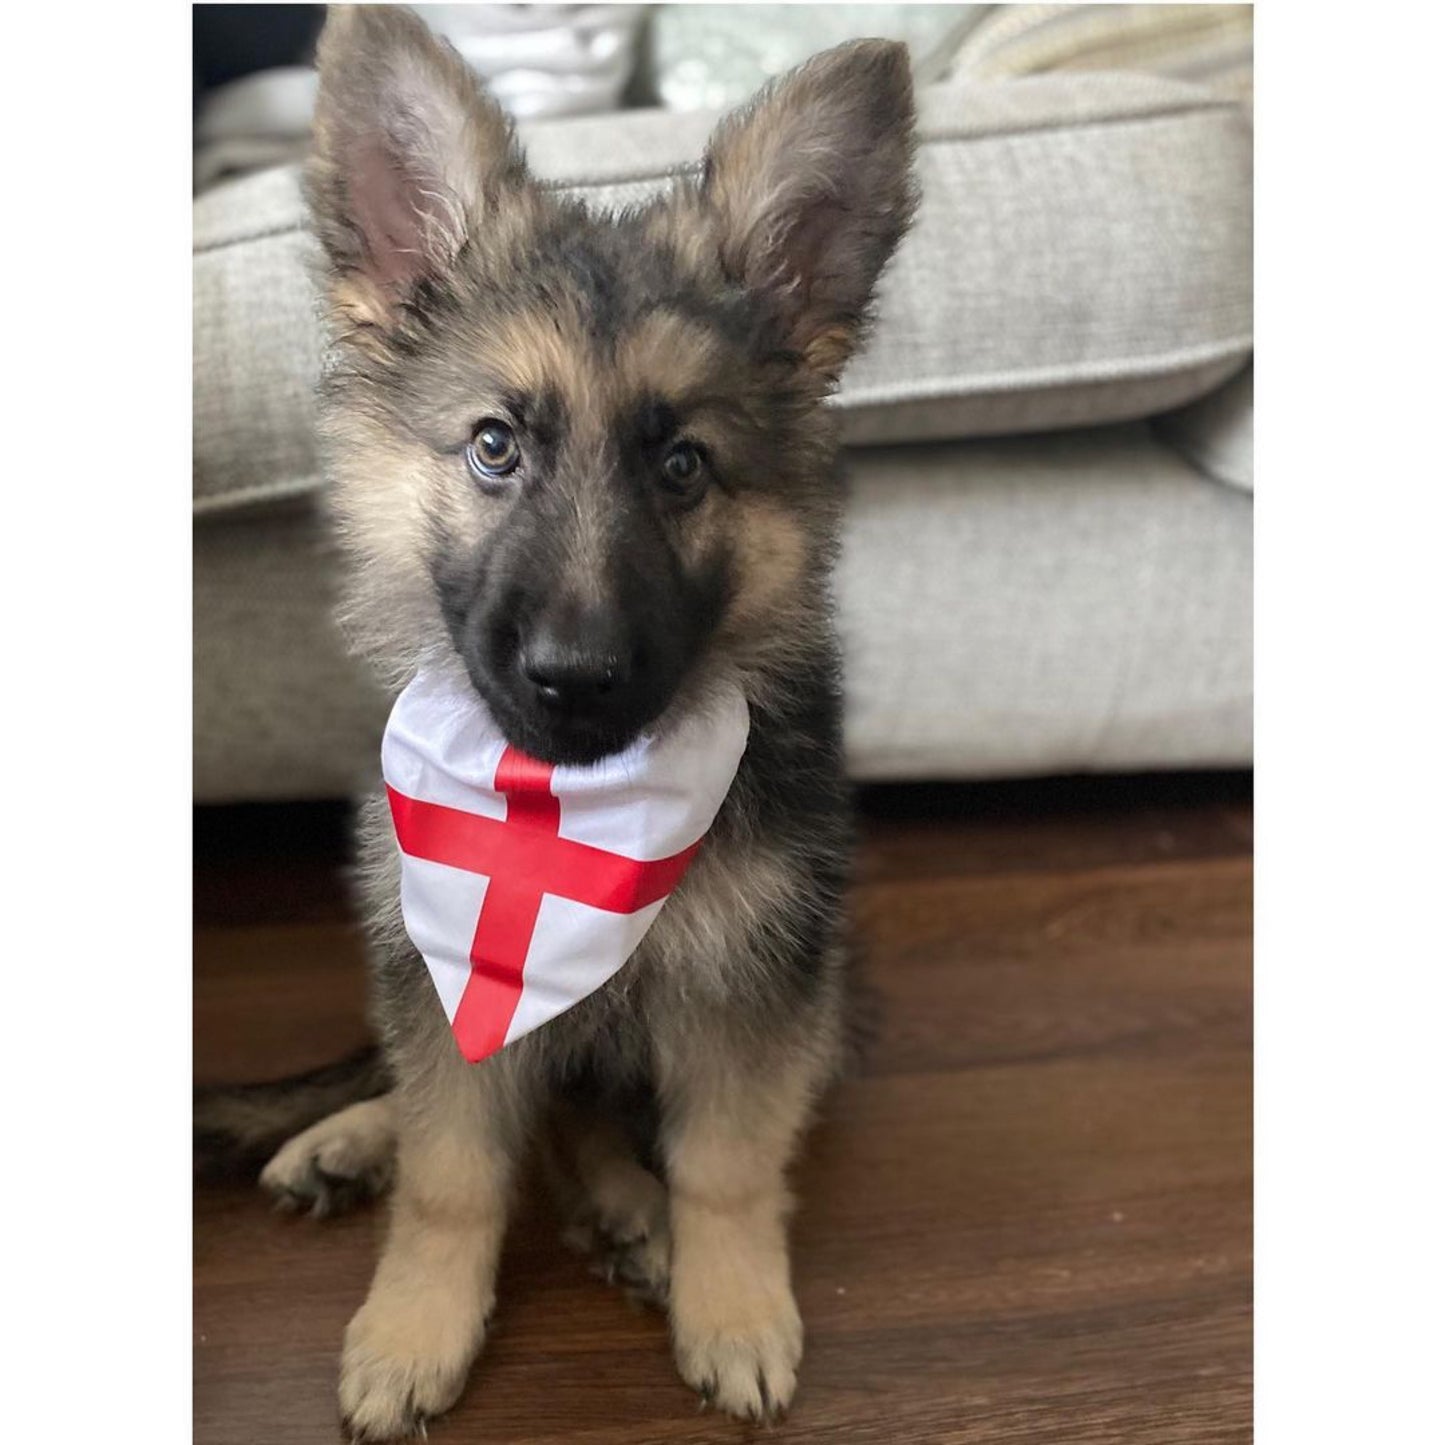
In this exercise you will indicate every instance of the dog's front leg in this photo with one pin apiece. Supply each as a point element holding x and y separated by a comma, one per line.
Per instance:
<point>410,1346</point>
<point>731,1123</point>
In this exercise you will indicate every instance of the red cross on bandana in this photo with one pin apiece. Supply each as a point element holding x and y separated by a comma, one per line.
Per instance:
<point>523,857</point>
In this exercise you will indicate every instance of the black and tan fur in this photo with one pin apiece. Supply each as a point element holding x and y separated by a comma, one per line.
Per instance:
<point>460,289</point>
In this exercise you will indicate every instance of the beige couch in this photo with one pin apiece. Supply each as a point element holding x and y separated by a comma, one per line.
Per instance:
<point>1047,563</point>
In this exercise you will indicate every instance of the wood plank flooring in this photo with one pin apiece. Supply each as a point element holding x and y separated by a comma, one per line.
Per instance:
<point>1027,1219</point>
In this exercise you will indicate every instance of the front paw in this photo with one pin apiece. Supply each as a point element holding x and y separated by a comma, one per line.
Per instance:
<point>738,1343</point>
<point>335,1165</point>
<point>623,1227</point>
<point>401,1365</point>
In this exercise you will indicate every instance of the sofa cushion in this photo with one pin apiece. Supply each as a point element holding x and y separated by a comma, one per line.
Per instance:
<point>718,55</point>
<point>1013,605</point>
<point>1210,45</point>
<point>1082,254</point>
<point>1079,602</point>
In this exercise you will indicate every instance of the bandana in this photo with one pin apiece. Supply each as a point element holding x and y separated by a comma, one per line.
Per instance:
<point>527,885</point>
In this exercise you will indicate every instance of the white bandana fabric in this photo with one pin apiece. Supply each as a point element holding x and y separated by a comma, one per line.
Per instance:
<point>527,885</point>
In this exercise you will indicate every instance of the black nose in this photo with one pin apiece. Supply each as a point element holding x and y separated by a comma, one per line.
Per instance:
<point>577,661</point>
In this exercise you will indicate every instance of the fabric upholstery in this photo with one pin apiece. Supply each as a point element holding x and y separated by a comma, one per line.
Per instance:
<point>1083,255</point>
<point>718,55</point>
<point>1210,45</point>
<point>1073,602</point>
<point>1021,605</point>
<point>1216,433</point>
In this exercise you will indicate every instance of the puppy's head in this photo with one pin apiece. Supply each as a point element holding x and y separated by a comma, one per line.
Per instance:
<point>586,455</point>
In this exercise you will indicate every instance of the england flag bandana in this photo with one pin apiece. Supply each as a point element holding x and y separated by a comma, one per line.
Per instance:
<point>524,885</point>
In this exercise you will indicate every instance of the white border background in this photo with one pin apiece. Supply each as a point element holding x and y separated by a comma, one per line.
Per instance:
<point>1350,526</point>
<point>95,597</point>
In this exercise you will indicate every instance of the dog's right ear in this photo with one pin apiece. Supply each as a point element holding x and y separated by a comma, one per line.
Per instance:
<point>409,159</point>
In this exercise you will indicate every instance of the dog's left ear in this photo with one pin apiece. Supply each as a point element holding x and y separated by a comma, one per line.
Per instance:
<point>811,189</point>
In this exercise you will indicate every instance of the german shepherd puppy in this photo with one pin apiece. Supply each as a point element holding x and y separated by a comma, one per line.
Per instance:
<point>584,462</point>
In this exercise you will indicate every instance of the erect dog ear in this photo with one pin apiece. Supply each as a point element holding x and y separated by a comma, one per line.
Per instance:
<point>408,157</point>
<point>810,187</point>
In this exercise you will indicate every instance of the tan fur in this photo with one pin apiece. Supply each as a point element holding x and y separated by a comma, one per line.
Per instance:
<point>623,1193</point>
<point>408,1349</point>
<point>776,547</point>
<point>718,316</point>
<point>736,1329</point>
<point>360,308</point>
<point>536,351</point>
<point>674,357</point>
<point>355,1144</point>
<point>828,351</point>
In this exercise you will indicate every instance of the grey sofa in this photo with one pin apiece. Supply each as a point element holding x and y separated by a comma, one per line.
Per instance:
<point>1047,563</point>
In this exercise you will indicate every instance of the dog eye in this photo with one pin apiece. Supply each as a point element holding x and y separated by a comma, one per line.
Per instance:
<point>494,450</point>
<point>680,467</point>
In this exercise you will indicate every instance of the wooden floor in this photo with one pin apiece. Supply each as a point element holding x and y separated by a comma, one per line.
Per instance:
<point>1028,1220</point>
